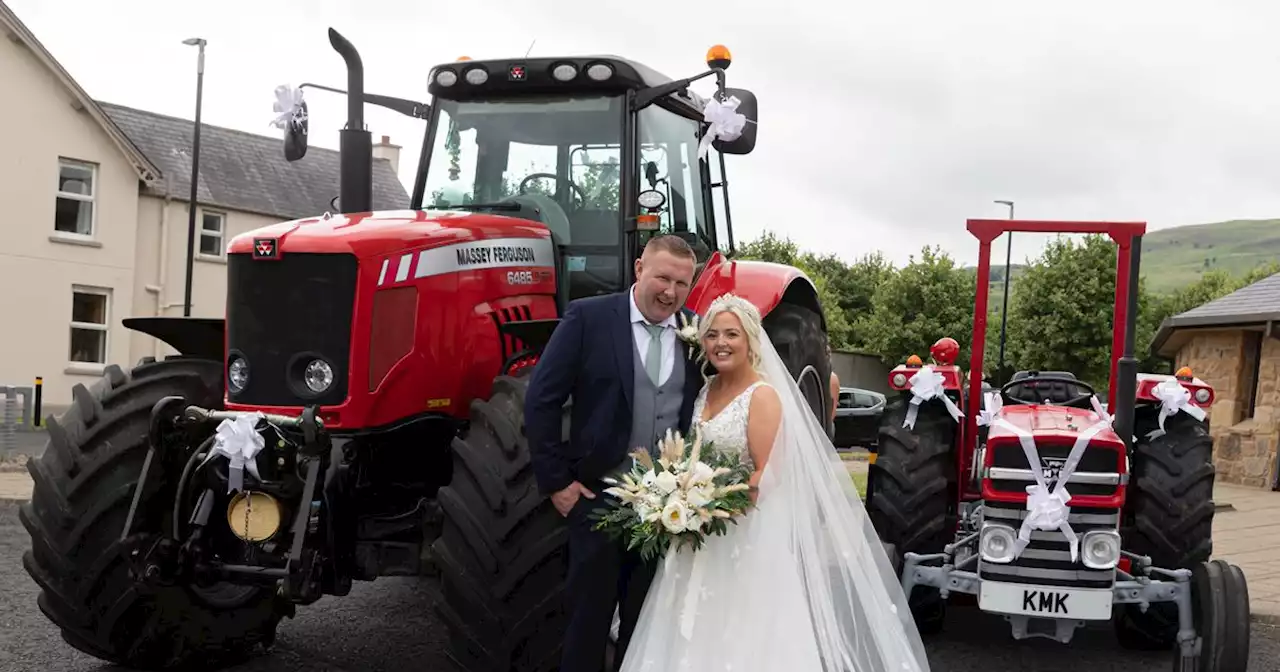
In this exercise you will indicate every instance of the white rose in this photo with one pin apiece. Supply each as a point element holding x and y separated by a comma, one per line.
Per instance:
<point>648,478</point>
<point>701,474</point>
<point>700,496</point>
<point>666,482</point>
<point>675,516</point>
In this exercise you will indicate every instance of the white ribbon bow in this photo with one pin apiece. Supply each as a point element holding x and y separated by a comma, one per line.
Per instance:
<point>1047,509</point>
<point>288,107</point>
<point>239,441</point>
<point>926,384</point>
<point>990,409</point>
<point>1173,398</point>
<point>726,122</point>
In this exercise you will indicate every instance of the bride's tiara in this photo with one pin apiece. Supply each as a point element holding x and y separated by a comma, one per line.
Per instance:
<point>728,300</point>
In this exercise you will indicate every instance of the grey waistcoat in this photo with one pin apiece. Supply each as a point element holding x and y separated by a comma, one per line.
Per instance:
<point>654,409</point>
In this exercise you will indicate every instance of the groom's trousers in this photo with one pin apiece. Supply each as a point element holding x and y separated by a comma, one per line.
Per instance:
<point>602,575</point>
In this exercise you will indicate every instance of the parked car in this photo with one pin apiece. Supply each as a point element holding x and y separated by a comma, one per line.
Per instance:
<point>857,417</point>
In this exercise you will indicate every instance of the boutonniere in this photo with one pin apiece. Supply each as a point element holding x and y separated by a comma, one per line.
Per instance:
<point>688,332</point>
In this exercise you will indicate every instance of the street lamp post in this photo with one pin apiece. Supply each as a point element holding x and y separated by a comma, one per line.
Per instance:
<point>198,42</point>
<point>1004,310</point>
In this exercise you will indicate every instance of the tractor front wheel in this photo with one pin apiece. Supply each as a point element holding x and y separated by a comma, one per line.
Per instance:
<point>502,548</point>
<point>83,487</point>
<point>1220,615</point>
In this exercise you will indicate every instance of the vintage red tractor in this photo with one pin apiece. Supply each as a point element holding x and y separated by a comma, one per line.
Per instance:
<point>1035,502</point>
<point>359,412</point>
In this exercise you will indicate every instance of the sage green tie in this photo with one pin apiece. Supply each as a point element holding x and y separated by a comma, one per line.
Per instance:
<point>653,362</point>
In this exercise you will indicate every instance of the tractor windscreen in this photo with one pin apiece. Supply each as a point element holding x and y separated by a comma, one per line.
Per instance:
<point>549,159</point>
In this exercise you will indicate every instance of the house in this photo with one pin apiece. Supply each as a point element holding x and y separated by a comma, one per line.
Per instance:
<point>1233,343</point>
<point>96,212</point>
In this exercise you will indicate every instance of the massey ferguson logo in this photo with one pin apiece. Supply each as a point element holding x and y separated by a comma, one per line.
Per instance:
<point>1052,467</point>
<point>265,248</point>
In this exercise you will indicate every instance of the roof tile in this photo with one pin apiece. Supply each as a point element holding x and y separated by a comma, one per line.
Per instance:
<point>245,171</point>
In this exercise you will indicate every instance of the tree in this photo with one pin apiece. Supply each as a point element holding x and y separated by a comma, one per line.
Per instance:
<point>912,308</point>
<point>1061,311</point>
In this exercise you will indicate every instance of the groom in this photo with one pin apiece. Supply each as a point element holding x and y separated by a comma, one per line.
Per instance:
<point>631,380</point>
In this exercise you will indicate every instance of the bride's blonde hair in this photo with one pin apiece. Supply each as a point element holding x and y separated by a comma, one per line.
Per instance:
<point>752,324</point>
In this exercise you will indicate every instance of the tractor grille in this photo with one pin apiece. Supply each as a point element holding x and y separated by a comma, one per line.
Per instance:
<point>1046,560</point>
<point>282,314</point>
<point>1096,475</point>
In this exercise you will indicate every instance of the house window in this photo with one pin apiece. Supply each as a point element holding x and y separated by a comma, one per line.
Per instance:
<point>212,227</point>
<point>1253,367</point>
<point>77,188</point>
<point>90,319</point>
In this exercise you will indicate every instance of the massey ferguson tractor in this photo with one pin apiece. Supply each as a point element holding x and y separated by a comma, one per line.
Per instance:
<point>1054,510</point>
<point>359,412</point>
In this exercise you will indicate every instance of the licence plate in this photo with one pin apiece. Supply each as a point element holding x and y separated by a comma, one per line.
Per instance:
<point>1092,604</point>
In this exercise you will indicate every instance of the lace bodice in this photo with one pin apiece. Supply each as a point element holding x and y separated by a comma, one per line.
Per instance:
<point>728,429</point>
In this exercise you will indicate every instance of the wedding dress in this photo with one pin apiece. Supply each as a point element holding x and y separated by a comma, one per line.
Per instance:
<point>801,583</point>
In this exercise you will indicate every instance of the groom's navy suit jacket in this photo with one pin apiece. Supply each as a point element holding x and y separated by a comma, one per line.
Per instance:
<point>589,358</point>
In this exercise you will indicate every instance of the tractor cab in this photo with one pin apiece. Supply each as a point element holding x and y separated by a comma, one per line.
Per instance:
<point>602,151</point>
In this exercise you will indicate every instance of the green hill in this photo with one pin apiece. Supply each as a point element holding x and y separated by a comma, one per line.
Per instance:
<point>1176,257</point>
<point>1173,258</point>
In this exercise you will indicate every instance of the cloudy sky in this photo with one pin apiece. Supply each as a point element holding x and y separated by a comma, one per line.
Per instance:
<point>884,125</point>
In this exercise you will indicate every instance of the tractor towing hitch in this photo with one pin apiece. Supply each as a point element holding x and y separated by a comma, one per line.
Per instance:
<point>295,472</point>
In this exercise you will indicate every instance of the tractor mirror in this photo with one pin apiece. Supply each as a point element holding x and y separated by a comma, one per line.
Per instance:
<point>295,137</point>
<point>748,106</point>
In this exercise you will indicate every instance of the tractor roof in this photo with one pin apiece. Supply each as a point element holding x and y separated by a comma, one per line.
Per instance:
<point>517,76</point>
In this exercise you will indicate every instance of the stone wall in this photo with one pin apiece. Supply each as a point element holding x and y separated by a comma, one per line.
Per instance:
<point>1244,448</point>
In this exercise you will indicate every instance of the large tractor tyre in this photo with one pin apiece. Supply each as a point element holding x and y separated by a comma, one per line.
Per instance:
<point>909,505</point>
<point>502,549</point>
<point>1170,516</point>
<point>796,333</point>
<point>83,487</point>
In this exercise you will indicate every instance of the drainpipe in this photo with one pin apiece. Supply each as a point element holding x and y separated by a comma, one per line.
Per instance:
<point>162,266</point>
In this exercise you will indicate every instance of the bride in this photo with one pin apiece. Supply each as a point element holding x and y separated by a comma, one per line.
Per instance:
<point>801,582</point>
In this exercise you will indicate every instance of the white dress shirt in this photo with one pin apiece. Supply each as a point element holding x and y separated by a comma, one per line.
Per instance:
<point>641,336</point>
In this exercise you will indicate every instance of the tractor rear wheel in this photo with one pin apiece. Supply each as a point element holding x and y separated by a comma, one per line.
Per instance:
<point>502,548</point>
<point>83,488</point>
<point>1170,507</point>
<point>796,333</point>
<point>910,501</point>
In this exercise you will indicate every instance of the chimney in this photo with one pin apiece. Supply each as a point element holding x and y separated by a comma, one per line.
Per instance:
<point>385,150</point>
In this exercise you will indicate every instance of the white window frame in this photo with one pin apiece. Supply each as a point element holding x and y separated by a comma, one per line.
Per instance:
<point>105,327</point>
<point>221,235</point>
<point>91,198</point>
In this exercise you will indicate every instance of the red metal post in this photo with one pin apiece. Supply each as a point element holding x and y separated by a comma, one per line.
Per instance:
<point>1119,316</point>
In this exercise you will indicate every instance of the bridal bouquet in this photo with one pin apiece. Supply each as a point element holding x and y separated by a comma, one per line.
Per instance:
<point>690,492</point>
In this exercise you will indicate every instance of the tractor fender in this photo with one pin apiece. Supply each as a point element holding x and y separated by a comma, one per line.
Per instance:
<point>765,284</point>
<point>203,337</point>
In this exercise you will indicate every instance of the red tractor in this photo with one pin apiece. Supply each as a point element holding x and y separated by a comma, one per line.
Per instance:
<point>1035,502</point>
<point>359,412</point>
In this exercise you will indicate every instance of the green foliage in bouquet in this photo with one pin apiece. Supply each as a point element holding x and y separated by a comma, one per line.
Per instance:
<point>691,491</point>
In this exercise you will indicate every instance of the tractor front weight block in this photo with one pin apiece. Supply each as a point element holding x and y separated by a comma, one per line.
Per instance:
<point>300,469</point>
<point>1212,594</point>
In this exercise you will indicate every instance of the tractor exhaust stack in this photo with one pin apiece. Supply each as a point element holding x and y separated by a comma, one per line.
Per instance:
<point>355,192</point>
<point>1126,387</point>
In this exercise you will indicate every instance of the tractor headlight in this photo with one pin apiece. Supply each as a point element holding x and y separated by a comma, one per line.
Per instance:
<point>600,71</point>
<point>899,380</point>
<point>446,78</point>
<point>996,543</point>
<point>1100,549</point>
<point>318,376</point>
<point>1202,395</point>
<point>237,373</point>
<point>564,72</point>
